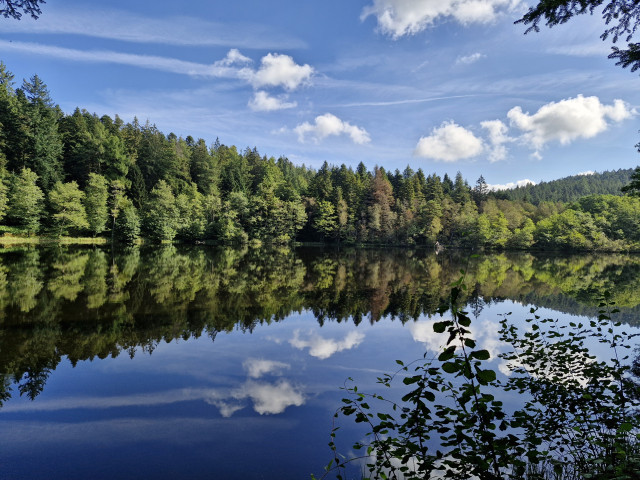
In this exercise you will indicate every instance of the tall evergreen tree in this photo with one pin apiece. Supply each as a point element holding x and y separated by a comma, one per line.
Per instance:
<point>43,145</point>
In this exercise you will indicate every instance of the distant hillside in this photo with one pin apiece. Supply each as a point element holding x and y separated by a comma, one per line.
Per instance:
<point>570,188</point>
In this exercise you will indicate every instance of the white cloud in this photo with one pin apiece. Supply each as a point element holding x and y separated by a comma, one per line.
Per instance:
<point>152,62</point>
<point>469,59</point>
<point>256,368</point>
<point>568,120</point>
<point>275,70</point>
<point>592,49</point>
<point>263,102</point>
<point>234,57</point>
<point>485,332</point>
<point>497,132</point>
<point>449,142</point>
<point>227,409</point>
<point>588,172</point>
<point>129,27</point>
<point>327,125</point>
<point>407,17</point>
<point>324,348</point>
<point>270,398</point>
<point>278,71</point>
<point>510,185</point>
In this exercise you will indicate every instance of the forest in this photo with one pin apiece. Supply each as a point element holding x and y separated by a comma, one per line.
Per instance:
<point>83,175</point>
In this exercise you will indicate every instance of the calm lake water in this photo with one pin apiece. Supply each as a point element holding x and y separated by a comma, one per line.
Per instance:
<point>220,363</point>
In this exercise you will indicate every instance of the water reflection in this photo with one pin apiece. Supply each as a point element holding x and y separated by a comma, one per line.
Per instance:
<point>83,304</point>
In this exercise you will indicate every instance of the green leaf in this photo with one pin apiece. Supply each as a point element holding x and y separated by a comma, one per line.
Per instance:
<point>410,380</point>
<point>448,354</point>
<point>625,427</point>
<point>481,355</point>
<point>486,376</point>
<point>439,327</point>
<point>450,367</point>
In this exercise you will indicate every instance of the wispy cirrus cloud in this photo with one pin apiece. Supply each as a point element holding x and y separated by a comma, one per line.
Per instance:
<point>129,27</point>
<point>165,64</point>
<point>469,59</point>
<point>275,70</point>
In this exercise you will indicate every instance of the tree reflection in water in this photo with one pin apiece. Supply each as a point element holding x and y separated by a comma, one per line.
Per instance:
<point>87,303</point>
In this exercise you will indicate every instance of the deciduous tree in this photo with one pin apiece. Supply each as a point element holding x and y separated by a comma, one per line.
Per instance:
<point>25,200</point>
<point>66,201</point>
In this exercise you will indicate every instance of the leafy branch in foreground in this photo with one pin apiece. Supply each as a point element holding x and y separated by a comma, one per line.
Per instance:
<point>575,416</point>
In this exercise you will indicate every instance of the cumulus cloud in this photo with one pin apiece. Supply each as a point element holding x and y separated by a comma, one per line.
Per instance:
<point>568,120</point>
<point>449,143</point>
<point>324,348</point>
<point>588,172</point>
<point>497,132</point>
<point>469,59</point>
<point>510,185</point>
<point>278,70</point>
<point>407,17</point>
<point>256,368</point>
<point>263,102</point>
<point>327,125</point>
<point>270,398</point>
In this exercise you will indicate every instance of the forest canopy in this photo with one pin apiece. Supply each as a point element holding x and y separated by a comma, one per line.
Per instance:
<point>83,174</point>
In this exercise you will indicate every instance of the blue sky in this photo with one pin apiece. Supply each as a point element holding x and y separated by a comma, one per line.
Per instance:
<point>442,85</point>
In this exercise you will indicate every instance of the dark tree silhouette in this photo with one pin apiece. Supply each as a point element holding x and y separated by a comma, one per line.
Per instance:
<point>15,8</point>
<point>621,18</point>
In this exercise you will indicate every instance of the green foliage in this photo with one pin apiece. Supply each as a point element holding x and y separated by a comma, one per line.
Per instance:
<point>95,203</point>
<point>42,147</point>
<point>578,417</point>
<point>633,187</point>
<point>4,197</point>
<point>222,195</point>
<point>128,225</point>
<point>570,188</point>
<point>160,221</point>
<point>66,201</point>
<point>25,200</point>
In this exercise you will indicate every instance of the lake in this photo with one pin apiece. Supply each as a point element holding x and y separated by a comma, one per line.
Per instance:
<point>198,362</point>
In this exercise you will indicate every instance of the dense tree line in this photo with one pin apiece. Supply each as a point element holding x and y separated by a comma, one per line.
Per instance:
<point>570,189</point>
<point>80,174</point>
